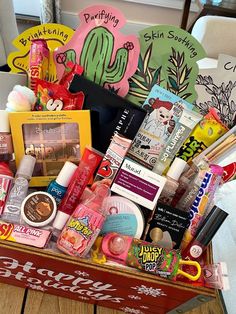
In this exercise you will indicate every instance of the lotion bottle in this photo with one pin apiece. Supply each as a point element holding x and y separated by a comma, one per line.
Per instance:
<point>172,176</point>
<point>12,209</point>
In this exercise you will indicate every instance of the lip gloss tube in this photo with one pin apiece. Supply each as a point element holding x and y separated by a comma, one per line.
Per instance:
<point>89,162</point>
<point>146,256</point>
<point>205,233</point>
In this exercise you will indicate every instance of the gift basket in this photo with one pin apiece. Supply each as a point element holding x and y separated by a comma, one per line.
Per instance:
<point>109,168</point>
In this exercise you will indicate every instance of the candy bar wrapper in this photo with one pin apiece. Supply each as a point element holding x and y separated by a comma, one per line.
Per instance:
<point>39,62</point>
<point>55,97</point>
<point>24,234</point>
<point>202,202</point>
<point>205,134</point>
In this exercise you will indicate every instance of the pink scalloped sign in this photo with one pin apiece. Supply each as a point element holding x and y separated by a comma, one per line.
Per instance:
<point>109,57</point>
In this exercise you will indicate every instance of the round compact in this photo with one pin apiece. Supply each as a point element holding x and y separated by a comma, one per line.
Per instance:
<point>38,209</point>
<point>123,216</point>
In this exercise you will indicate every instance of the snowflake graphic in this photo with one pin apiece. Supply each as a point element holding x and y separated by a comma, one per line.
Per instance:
<point>154,292</point>
<point>131,310</point>
<point>134,297</point>
<point>144,307</point>
<point>35,287</point>
<point>83,298</point>
<point>81,273</point>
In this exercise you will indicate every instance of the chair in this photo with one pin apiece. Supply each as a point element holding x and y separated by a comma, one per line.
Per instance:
<point>8,29</point>
<point>217,36</point>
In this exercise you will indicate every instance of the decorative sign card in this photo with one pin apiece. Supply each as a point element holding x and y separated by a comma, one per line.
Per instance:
<point>56,35</point>
<point>217,88</point>
<point>108,57</point>
<point>168,58</point>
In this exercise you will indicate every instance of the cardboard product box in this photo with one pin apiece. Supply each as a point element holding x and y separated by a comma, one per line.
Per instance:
<point>108,285</point>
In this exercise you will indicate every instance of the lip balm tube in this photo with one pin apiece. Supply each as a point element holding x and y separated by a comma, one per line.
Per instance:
<point>188,120</point>
<point>6,179</point>
<point>145,256</point>
<point>89,162</point>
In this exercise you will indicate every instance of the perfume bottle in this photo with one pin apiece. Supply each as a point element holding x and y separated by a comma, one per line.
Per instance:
<point>6,147</point>
<point>57,188</point>
<point>12,209</point>
<point>6,179</point>
<point>85,224</point>
<point>172,183</point>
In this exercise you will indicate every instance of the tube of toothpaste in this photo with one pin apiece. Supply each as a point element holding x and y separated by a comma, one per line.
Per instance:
<point>187,122</point>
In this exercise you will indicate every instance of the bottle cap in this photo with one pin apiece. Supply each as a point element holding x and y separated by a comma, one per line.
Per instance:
<point>216,169</point>
<point>60,220</point>
<point>26,166</point>
<point>176,169</point>
<point>4,121</point>
<point>210,225</point>
<point>66,174</point>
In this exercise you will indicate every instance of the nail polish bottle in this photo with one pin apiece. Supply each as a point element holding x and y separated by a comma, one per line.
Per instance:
<point>6,179</point>
<point>6,147</point>
<point>12,209</point>
<point>57,188</point>
<point>172,183</point>
<point>85,224</point>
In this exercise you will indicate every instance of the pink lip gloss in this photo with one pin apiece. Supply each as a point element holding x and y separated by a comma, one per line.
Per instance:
<point>85,224</point>
<point>87,166</point>
<point>6,180</point>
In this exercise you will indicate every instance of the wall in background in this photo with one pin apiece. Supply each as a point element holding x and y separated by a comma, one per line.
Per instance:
<point>138,15</point>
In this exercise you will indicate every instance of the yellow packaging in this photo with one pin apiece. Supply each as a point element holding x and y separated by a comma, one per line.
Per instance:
<point>206,133</point>
<point>53,137</point>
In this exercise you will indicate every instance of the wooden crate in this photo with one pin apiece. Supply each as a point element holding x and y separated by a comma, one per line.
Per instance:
<point>115,287</point>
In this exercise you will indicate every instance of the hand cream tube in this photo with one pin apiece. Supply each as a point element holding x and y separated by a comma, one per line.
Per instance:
<point>183,128</point>
<point>82,175</point>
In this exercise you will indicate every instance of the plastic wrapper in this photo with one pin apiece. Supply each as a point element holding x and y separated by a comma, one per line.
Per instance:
<point>202,202</point>
<point>39,62</point>
<point>205,133</point>
<point>55,97</point>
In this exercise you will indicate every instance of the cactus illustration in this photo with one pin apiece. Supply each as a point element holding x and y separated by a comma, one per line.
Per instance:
<point>66,57</point>
<point>96,57</point>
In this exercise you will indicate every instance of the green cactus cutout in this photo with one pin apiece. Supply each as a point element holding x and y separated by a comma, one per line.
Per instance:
<point>65,57</point>
<point>96,57</point>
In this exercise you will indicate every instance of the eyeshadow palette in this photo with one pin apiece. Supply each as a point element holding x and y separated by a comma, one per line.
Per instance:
<point>52,137</point>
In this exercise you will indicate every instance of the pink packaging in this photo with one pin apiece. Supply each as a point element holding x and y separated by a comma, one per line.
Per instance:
<point>85,224</point>
<point>113,158</point>
<point>24,234</point>
<point>39,61</point>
